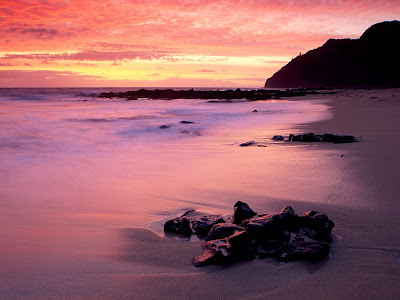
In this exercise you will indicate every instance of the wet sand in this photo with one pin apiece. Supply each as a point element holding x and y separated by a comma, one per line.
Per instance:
<point>363,202</point>
<point>358,191</point>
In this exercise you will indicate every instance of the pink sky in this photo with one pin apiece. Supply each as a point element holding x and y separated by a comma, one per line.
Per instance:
<point>199,43</point>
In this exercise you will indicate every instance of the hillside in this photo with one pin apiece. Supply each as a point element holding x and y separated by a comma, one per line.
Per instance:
<point>372,61</point>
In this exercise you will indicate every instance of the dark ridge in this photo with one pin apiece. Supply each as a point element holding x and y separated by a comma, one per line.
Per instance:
<point>372,61</point>
<point>214,96</point>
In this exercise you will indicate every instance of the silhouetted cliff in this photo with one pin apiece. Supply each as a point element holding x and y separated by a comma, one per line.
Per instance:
<point>372,61</point>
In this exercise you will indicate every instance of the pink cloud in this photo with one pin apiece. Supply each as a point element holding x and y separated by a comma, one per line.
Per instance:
<point>24,78</point>
<point>206,71</point>
<point>166,31</point>
<point>89,56</point>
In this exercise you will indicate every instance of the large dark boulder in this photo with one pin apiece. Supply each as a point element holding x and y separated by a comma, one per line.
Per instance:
<point>242,211</point>
<point>372,61</point>
<point>245,144</point>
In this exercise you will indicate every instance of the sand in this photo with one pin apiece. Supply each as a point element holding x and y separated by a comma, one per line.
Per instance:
<point>365,260</point>
<point>356,185</point>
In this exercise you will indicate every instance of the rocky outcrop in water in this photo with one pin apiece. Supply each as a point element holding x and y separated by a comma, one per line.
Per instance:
<point>214,96</point>
<point>372,61</point>
<point>317,138</point>
<point>284,236</point>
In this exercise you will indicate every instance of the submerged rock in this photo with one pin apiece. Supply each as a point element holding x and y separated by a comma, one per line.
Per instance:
<point>339,139</point>
<point>294,138</point>
<point>278,138</point>
<point>310,138</point>
<point>315,138</point>
<point>245,144</point>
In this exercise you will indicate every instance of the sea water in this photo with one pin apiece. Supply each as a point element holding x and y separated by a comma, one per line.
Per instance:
<point>73,168</point>
<point>90,155</point>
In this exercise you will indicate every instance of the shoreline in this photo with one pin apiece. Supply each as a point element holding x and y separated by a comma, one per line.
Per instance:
<point>366,248</point>
<point>95,253</point>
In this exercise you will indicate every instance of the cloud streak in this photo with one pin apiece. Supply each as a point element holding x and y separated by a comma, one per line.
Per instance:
<point>192,35</point>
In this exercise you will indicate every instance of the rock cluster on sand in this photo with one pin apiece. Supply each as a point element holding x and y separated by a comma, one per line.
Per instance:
<point>284,236</point>
<point>313,138</point>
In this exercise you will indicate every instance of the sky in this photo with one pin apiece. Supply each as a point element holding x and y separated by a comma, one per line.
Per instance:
<point>169,43</point>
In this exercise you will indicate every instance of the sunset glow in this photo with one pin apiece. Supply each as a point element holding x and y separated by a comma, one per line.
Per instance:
<point>199,43</point>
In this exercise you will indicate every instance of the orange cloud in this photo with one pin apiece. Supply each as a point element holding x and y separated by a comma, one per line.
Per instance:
<point>192,34</point>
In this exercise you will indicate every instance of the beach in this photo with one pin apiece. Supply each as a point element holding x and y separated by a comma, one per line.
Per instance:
<point>112,244</point>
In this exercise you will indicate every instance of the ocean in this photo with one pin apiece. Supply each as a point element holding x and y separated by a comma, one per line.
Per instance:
<point>73,172</point>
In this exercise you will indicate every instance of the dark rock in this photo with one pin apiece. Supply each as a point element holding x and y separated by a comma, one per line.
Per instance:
<point>303,248</point>
<point>326,138</point>
<point>290,219</point>
<point>255,110</point>
<point>241,246</point>
<point>164,126</point>
<point>223,96</point>
<point>333,138</point>
<point>186,122</point>
<point>268,248</point>
<point>266,227</point>
<point>247,144</point>
<point>179,225</point>
<point>317,225</point>
<point>225,251</point>
<point>294,138</point>
<point>310,138</point>
<point>242,211</point>
<point>215,252</point>
<point>222,230</point>
<point>131,98</point>
<point>203,225</point>
<point>188,212</point>
<point>344,139</point>
<point>284,236</point>
<point>287,211</point>
<point>278,138</point>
